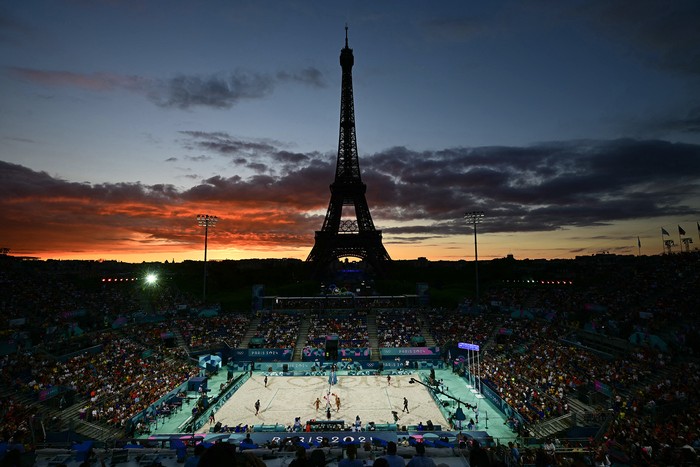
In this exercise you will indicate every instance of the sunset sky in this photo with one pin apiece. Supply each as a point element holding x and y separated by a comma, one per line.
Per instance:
<point>574,125</point>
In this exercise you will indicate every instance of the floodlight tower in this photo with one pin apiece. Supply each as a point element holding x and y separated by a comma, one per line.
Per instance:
<point>206,221</point>
<point>475,217</point>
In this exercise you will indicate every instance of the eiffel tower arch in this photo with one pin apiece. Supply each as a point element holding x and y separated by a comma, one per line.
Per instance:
<point>348,232</point>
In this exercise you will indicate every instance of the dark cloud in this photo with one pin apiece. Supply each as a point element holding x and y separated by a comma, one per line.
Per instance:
<point>286,157</point>
<point>258,167</point>
<point>538,188</point>
<point>225,144</point>
<point>311,76</point>
<point>200,158</point>
<point>222,92</point>
<point>183,91</point>
<point>258,156</point>
<point>303,189</point>
<point>418,195</point>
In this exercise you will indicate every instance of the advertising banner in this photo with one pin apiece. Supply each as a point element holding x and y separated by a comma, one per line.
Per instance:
<point>410,353</point>
<point>262,355</point>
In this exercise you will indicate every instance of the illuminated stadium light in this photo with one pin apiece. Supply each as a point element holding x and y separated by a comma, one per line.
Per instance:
<point>206,221</point>
<point>119,279</point>
<point>151,278</point>
<point>475,217</point>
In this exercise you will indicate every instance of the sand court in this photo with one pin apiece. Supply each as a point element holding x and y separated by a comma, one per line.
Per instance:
<point>370,397</point>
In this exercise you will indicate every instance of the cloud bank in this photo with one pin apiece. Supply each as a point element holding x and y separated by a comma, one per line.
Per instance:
<point>412,195</point>
<point>220,91</point>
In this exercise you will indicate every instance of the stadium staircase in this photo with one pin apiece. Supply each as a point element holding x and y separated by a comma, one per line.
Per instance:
<point>580,414</point>
<point>660,374</point>
<point>550,428</point>
<point>70,420</point>
<point>302,338</point>
<point>427,335</point>
<point>491,339</point>
<point>65,420</point>
<point>604,344</point>
<point>54,419</point>
<point>180,341</point>
<point>252,330</point>
<point>373,335</point>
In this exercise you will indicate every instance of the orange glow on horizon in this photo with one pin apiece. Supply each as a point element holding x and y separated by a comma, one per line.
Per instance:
<point>138,231</point>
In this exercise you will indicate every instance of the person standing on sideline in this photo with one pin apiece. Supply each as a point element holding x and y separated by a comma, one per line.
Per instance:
<point>405,405</point>
<point>388,380</point>
<point>328,412</point>
<point>257,406</point>
<point>265,380</point>
<point>391,457</point>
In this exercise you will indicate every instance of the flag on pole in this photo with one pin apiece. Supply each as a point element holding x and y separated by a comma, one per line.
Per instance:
<point>681,231</point>
<point>639,243</point>
<point>663,232</point>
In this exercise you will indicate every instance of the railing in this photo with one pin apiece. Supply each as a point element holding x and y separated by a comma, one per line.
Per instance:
<point>201,419</point>
<point>541,428</point>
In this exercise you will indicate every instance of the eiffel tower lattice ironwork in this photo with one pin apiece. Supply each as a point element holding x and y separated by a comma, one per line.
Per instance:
<point>343,236</point>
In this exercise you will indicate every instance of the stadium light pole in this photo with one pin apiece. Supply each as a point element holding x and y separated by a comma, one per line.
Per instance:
<point>206,221</point>
<point>475,217</point>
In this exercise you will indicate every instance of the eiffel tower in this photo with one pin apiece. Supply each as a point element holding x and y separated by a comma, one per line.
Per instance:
<point>346,237</point>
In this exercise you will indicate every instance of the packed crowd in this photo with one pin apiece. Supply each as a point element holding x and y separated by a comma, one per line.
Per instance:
<point>450,326</point>
<point>530,359</point>
<point>350,327</point>
<point>524,357</point>
<point>396,328</point>
<point>158,337</point>
<point>212,331</point>
<point>113,381</point>
<point>278,329</point>
<point>15,417</point>
<point>78,296</point>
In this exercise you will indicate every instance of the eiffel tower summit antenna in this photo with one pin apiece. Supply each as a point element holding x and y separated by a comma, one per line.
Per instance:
<point>342,235</point>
